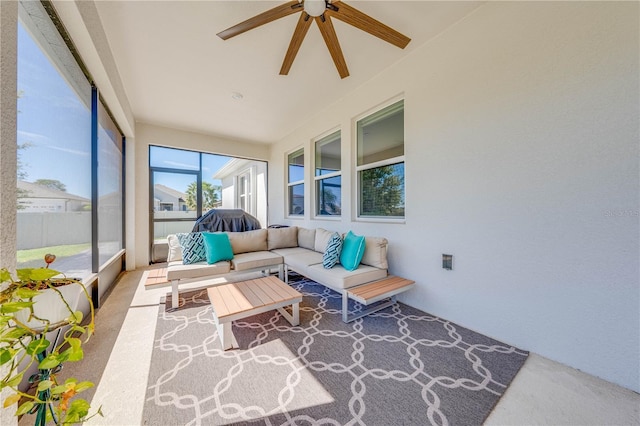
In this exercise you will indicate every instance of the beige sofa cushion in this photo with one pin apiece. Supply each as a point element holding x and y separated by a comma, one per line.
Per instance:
<point>248,241</point>
<point>339,278</point>
<point>306,238</point>
<point>282,237</point>
<point>299,261</point>
<point>284,252</point>
<point>375,252</point>
<point>175,251</point>
<point>177,270</point>
<point>257,259</point>
<point>322,239</point>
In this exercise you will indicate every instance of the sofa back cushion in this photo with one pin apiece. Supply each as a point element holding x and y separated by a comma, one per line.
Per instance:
<point>175,251</point>
<point>307,238</point>
<point>322,239</point>
<point>375,252</point>
<point>248,241</point>
<point>282,237</point>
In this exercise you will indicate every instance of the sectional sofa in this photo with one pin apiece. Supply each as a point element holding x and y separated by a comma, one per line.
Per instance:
<point>292,248</point>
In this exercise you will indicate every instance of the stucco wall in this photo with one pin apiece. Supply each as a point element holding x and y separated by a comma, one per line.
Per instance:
<point>521,142</point>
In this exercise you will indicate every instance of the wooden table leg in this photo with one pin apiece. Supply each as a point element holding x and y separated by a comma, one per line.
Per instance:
<point>294,316</point>
<point>226,336</point>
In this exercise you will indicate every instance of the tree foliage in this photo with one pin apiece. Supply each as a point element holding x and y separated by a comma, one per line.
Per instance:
<point>210,196</point>
<point>383,191</point>
<point>52,184</point>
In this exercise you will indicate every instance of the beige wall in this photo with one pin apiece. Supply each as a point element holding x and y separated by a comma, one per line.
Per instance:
<point>521,143</point>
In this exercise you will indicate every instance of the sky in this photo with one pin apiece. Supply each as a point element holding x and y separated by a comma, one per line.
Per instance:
<point>54,128</point>
<point>53,121</point>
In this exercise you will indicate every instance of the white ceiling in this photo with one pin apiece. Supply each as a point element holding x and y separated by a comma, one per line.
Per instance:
<point>178,73</point>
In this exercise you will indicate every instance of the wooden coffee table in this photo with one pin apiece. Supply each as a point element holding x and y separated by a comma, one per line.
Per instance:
<point>243,299</point>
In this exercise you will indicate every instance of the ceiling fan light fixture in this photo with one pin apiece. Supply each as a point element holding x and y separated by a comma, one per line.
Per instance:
<point>314,7</point>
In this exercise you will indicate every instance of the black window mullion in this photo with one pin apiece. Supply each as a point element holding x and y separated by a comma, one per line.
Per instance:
<point>95,255</point>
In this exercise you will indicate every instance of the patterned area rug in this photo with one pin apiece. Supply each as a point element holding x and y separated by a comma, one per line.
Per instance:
<point>398,366</point>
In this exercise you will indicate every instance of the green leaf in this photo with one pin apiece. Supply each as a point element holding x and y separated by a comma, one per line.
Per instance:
<point>14,333</point>
<point>76,317</point>
<point>15,380</point>
<point>25,408</point>
<point>79,408</point>
<point>26,293</point>
<point>64,356</point>
<point>77,328</point>
<point>11,400</point>
<point>24,274</point>
<point>42,274</point>
<point>75,352</point>
<point>49,362</point>
<point>5,356</point>
<point>4,275</point>
<point>44,385</point>
<point>37,346</point>
<point>57,390</point>
<point>82,386</point>
<point>11,307</point>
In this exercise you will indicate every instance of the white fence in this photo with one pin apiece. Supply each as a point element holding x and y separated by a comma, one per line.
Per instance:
<point>53,229</point>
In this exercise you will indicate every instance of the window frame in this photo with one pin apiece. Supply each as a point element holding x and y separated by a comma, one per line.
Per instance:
<point>249,176</point>
<point>41,24</point>
<point>289,185</point>
<point>400,159</point>
<point>325,138</point>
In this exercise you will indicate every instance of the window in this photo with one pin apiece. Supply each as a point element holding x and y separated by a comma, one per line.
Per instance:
<point>380,163</point>
<point>328,176</point>
<point>244,192</point>
<point>184,185</point>
<point>296,182</point>
<point>54,149</point>
<point>110,187</point>
<point>70,156</point>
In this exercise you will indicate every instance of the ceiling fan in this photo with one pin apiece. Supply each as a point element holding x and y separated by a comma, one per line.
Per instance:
<point>320,11</point>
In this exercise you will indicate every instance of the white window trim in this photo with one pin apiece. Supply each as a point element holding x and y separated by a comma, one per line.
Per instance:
<point>298,182</point>
<point>355,183</point>
<point>251,197</point>
<point>314,191</point>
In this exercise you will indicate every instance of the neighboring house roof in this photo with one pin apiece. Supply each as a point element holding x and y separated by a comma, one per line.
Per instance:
<point>170,191</point>
<point>38,191</point>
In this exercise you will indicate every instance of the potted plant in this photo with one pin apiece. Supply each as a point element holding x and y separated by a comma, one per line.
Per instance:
<point>37,306</point>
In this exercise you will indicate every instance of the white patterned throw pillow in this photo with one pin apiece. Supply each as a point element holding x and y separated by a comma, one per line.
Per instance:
<point>193,249</point>
<point>331,255</point>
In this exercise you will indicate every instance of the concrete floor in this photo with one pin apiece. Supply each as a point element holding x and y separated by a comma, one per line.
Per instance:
<point>117,359</point>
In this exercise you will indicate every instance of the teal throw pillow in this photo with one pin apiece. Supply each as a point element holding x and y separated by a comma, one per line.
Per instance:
<point>192,247</point>
<point>352,251</point>
<point>331,254</point>
<point>217,247</point>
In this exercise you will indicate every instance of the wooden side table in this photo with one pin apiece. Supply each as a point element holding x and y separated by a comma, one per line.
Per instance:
<point>243,299</point>
<point>386,288</point>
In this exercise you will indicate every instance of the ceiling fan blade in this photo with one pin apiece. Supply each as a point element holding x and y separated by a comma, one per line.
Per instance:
<point>261,19</point>
<point>331,40</point>
<point>296,40</point>
<point>353,16</point>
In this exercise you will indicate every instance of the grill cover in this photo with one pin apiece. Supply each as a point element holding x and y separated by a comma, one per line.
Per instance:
<point>230,220</point>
